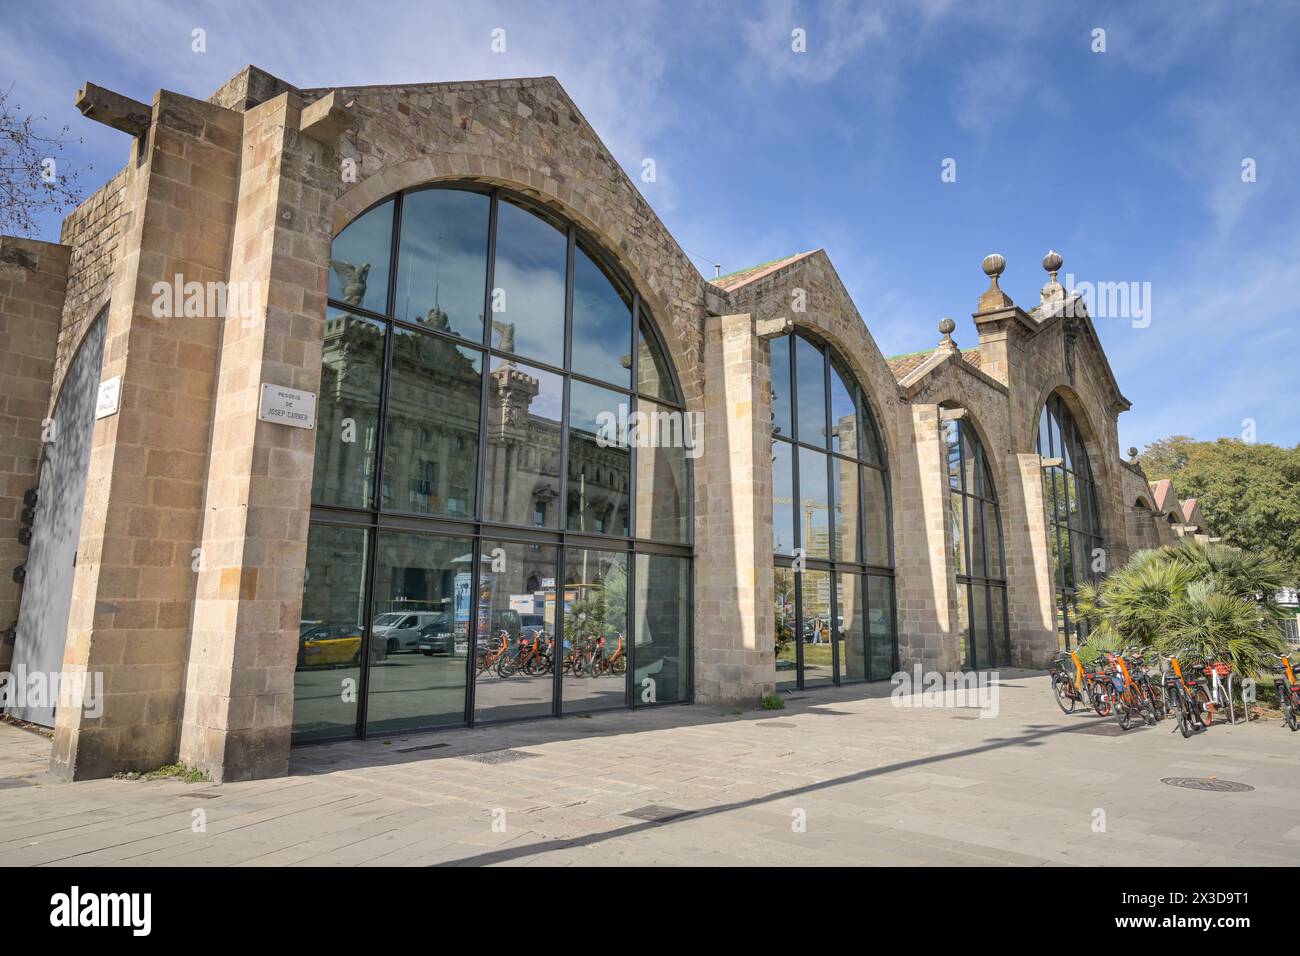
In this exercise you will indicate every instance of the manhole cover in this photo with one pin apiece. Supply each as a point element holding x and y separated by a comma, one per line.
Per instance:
<point>498,756</point>
<point>658,814</point>
<point>1212,784</point>
<point>412,750</point>
<point>776,723</point>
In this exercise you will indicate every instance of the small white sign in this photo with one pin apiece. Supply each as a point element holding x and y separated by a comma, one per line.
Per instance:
<point>109,398</point>
<point>287,406</point>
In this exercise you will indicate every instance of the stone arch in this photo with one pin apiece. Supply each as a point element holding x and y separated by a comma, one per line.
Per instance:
<point>86,319</point>
<point>995,460</point>
<point>1092,440</point>
<point>533,186</point>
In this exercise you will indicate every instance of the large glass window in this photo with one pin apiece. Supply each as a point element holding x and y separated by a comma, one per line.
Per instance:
<point>501,506</point>
<point>976,524</point>
<point>431,429</point>
<point>595,628</point>
<point>830,512</point>
<point>347,412</point>
<point>661,650</point>
<point>417,658</point>
<point>1074,533</point>
<point>515,607</point>
<point>443,261</point>
<point>326,684</point>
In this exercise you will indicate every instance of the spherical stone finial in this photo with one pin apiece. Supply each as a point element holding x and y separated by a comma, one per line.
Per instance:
<point>947,326</point>
<point>1052,262</point>
<point>1132,454</point>
<point>994,265</point>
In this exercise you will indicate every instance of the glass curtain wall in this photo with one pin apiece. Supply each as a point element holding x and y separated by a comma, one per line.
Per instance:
<point>977,549</point>
<point>492,534</point>
<point>1073,521</point>
<point>834,594</point>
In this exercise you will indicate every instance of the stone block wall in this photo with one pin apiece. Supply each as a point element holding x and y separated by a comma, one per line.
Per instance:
<point>134,584</point>
<point>238,710</point>
<point>33,276</point>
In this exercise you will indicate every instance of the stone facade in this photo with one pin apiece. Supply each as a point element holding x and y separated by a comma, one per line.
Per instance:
<point>189,581</point>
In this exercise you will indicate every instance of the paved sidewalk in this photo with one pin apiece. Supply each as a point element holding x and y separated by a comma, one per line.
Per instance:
<point>873,784</point>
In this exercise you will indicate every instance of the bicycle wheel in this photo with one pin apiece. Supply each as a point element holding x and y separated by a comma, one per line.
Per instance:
<point>1183,709</point>
<point>507,665</point>
<point>1289,707</point>
<point>1123,714</point>
<point>1061,691</point>
<point>1158,702</point>
<point>1201,705</point>
<point>1098,699</point>
<point>619,666</point>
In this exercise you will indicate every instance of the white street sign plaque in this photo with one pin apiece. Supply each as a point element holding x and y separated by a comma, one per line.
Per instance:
<point>287,406</point>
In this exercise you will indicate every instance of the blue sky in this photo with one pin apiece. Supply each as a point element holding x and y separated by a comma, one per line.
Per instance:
<point>1128,162</point>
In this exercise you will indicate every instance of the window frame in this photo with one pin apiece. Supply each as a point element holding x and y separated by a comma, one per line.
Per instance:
<point>869,442</point>
<point>375,518</point>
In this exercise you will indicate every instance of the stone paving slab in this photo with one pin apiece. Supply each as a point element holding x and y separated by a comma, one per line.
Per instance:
<point>873,784</point>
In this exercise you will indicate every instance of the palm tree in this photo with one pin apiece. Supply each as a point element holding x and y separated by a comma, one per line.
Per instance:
<point>1212,602</point>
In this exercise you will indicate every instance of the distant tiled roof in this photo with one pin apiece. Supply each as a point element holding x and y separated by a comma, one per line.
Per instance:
<point>1160,491</point>
<point>734,280</point>
<point>903,365</point>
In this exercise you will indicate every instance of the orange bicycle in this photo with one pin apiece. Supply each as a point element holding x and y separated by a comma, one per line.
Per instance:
<point>492,655</point>
<point>615,663</point>
<point>1288,691</point>
<point>1126,696</point>
<point>1186,698</point>
<point>1071,686</point>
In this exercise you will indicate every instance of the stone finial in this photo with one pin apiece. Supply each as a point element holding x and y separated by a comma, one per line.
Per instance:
<point>947,326</point>
<point>994,298</point>
<point>1053,291</point>
<point>1132,455</point>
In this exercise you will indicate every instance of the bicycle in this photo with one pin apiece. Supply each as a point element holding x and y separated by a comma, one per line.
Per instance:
<point>540,661</point>
<point>1069,688</point>
<point>1288,692</point>
<point>1127,699</point>
<point>1154,695</point>
<point>490,657</point>
<point>1217,692</point>
<point>1182,701</point>
<point>615,663</point>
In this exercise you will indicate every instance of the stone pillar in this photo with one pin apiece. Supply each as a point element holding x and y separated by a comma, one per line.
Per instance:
<point>922,546</point>
<point>239,683</point>
<point>131,597</point>
<point>734,618</point>
<point>1031,591</point>
<point>33,278</point>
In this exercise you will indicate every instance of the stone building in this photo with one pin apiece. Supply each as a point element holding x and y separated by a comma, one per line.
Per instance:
<point>533,424</point>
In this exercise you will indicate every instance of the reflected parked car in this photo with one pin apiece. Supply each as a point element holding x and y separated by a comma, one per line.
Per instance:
<point>322,644</point>
<point>436,636</point>
<point>400,630</point>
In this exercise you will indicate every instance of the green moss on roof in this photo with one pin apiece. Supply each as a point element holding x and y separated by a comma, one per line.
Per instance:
<point>754,268</point>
